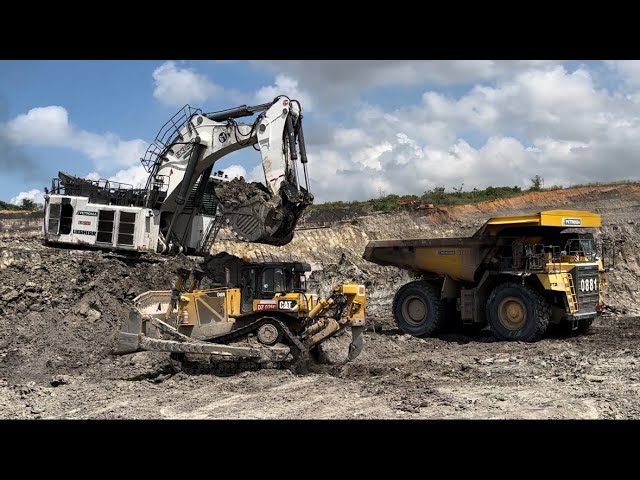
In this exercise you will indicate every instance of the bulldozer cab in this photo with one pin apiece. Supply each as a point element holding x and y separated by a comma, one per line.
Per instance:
<point>263,281</point>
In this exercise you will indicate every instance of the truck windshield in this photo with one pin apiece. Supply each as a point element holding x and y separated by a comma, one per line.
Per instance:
<point>585,247</point>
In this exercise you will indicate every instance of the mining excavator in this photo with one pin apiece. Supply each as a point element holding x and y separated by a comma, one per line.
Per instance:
<point>260,317</point>
<point>178,210</point>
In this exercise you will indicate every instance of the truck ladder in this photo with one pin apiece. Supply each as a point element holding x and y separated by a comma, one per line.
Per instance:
<point>573,298</point>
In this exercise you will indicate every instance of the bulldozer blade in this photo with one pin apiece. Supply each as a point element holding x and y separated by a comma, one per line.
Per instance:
<point>357,343</point>
<point>129,336</point>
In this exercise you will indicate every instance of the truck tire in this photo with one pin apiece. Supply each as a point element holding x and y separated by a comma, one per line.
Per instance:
<point>517,312</point>
<point>417,309</point>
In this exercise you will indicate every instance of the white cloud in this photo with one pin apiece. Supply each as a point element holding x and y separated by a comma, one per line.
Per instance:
<point>629,70</point>
<point>134,176</point>
<point>336,81</point>
<point>34,195</point>
<point>285,85</point>
<point>50,127</point>
<point>176,86</point>
<point>234,171</point>
<point>535,102</point>
<point>543,120</point>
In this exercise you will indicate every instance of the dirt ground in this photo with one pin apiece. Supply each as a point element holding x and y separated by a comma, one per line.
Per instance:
<point>60,309</point>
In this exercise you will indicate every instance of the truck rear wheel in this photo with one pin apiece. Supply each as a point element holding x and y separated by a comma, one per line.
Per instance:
<point>417,309</point>
<point>517,312</point>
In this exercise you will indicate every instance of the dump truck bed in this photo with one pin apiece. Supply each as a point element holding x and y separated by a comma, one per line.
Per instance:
<point>457,257</point>
<point>460,257</point>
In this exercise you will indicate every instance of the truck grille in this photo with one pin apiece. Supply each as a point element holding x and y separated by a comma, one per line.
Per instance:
<point>587,287</point>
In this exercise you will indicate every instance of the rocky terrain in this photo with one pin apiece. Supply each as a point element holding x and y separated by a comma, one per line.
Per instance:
<point>60,310</point>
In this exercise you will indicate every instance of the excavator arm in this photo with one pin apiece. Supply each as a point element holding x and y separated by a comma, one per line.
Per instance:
<point>197,140</point>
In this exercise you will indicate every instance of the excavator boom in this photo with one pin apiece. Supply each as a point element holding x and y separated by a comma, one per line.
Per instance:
<point>270,215</point>
<point>179,210</point>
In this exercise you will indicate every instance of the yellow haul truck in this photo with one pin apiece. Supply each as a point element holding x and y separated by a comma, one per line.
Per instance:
<point>517,274</point>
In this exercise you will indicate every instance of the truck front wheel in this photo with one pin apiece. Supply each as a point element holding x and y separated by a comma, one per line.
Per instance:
<point>517,312</point>
<point>418,309</point>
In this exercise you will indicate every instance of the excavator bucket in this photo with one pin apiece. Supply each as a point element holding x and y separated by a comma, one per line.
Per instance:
<point>263,220</point>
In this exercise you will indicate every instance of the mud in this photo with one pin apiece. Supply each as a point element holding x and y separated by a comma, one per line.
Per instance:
<point>60,310</point>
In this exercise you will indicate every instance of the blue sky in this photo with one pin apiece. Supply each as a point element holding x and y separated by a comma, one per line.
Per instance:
<point>372,127</point>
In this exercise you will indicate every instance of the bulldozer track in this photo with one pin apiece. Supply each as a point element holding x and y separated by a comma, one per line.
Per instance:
<point>253,326</point>
<point>214,364</point>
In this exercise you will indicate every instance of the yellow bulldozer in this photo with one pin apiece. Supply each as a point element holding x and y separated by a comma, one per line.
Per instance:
<point>518,274</point>
<point>262,316</point>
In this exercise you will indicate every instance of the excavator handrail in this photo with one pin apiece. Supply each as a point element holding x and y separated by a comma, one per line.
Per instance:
<point>166,134</point>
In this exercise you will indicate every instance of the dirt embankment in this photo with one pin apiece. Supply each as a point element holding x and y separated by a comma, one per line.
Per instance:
<point>335,251</point>
<point>60,309</point>
<point>607,199</point>
<point>12,222</point>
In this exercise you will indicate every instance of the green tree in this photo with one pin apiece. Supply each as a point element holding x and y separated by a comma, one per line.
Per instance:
<point>536,183</point>
<point>438,192</point>
<point>28,204</point>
